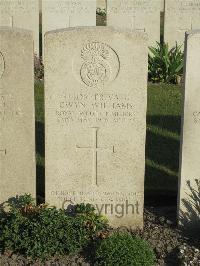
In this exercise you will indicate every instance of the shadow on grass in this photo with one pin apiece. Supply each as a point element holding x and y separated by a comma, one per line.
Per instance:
<point>163,150</point>
<point>40,169</point>
<point>40,184</point>
<point>189,215</point>
<point>39,127</point>
<point>41,43</point>
<point>160,187</point>
<point>170,123</point>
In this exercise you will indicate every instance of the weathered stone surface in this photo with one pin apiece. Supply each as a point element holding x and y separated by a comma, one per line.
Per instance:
<point>162,5</point>
<point>40,5</point>
<point>60,14</point>
<point>180,16</point>
<point>17,123</point>
<point>95,83</point>
<point>21,14</point>
<point>143,15</point>
<point>101,4</point>
<point>189,182</point>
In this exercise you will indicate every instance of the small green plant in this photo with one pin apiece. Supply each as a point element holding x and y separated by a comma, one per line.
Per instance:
<point>95,222</point>
<point>165,65</point>
<point>42,232</point>
<point>101,12</point>
<point>123,249</point>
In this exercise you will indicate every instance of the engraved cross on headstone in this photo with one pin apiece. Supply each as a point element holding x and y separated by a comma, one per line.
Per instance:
<point>134,26</point>
<point>95,150</point>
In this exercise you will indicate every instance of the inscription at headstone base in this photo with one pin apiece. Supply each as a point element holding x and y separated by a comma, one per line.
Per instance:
<point>95,120</point>
<point>17,131</point>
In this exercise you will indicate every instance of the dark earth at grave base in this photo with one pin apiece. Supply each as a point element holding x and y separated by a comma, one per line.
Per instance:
<point>170,245</point>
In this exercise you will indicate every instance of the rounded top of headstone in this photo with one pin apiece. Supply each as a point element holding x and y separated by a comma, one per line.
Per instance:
<point>128,32</point>
<point>20,31</point>
<point>191,33</point>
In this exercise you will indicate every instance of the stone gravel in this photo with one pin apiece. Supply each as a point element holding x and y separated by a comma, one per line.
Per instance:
<point>171,246</point>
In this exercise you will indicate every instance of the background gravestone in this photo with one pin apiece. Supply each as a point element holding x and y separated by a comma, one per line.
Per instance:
<point>59,14</point>
<point>17,131</point>
<point>162,5</point>
<point>180,16</point>
<point>189,185</point>
<point>22,14</point>
<point>143,15</point>
<point>96,86</point>
<point>101,4</point>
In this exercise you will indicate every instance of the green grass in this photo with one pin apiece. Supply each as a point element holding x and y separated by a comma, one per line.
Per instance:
<point>163,139</point>
<point>162,145</point>
<point>39,124</point>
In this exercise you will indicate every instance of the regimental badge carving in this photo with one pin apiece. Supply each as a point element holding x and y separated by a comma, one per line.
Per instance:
<point>2,65</point>
<point>100,64</point>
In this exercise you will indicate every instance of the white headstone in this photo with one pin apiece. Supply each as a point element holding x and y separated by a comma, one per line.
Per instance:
<point>96,93</point>
<point>162,5</point>
<point>143,15</point>
<point>22,14</point>
<point>17,122</point>
<point>101,4</point>
<point>180,16</point>
<point>60,14</point>
<point>189,182</point>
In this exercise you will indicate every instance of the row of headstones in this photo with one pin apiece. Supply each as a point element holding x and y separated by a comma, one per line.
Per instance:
<point>143,15</point>
<point>95,120</point>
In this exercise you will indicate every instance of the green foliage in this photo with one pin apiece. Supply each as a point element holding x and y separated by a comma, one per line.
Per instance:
<point>95,222</point>
<point>101,12</point>
<point>163,140</point>
<point>42,232</point>
<point>165,65</point>
<point>122,249</point>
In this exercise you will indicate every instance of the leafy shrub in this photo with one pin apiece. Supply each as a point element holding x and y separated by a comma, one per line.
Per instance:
<point>165,65</point>
<point>38,68</point>
<point>94,220</point>
<point>42,232</point>
<point>122,249</point>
